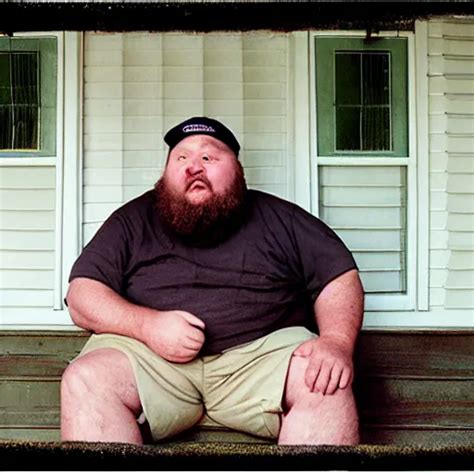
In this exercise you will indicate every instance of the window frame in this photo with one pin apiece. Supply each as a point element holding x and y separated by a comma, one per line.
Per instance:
<point>408,301</point>
<point>49,59</point>
<point>398,107</point>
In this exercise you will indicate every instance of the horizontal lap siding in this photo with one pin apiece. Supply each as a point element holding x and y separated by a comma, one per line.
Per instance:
<point>265,111</point>
<point>27,236</point>
<point>451,99</point>
<point>103,128</point>
<point>366,206</point>
<point>138,85</point>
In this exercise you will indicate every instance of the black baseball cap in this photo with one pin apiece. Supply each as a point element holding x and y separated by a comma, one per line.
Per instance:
<point>202,126</point>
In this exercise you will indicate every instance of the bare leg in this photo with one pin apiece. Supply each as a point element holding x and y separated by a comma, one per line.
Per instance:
<point>312,418</point>
<point>99,399</point>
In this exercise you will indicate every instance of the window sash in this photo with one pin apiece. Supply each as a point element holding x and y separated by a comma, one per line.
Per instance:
<point>46,48</point>
<point>325,51</point>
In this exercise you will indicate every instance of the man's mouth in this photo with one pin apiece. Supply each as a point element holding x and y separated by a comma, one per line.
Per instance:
<point>197,184</point>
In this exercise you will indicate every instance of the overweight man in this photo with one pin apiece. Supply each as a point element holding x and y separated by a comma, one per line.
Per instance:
<point>214,305</point>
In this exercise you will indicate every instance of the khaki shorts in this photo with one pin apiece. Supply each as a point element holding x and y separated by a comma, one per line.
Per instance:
<point>241,388</point>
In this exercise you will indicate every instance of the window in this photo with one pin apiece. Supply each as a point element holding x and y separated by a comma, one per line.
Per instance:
<point>364,168</point>
<point>40,191</point>
<point>28,75</point>
<point>362,88</point>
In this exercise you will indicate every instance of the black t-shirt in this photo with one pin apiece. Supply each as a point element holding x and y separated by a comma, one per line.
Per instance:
<point>264,277</point>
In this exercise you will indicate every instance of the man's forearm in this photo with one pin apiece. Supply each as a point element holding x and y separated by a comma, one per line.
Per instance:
<point>97,307</point>
<point>339,309</point>
<point>176,335</point>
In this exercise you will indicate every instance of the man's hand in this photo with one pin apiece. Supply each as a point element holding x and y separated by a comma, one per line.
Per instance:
<point>177,336</point>
<point>329,364</point>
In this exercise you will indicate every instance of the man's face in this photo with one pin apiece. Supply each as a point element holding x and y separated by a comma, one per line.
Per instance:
<point>201,194</point>
<point>200,167</point>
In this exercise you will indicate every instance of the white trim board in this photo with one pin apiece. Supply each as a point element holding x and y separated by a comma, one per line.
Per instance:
<point>27,319</point>
<point>60,138</point>
<point>422,175</point>
<point>301,129</point>
<point>454,319</point>
<point>37,161</point>
<point>72,162</point>
<point>23,318</point>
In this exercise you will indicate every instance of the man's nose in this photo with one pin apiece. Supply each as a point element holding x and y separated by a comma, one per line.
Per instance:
<point>195,166</point>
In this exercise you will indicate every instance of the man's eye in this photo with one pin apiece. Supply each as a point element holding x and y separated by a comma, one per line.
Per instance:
<point>205,158</point>
<point>181,158</point>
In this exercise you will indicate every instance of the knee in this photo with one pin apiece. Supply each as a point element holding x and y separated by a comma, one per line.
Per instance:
<point>80,377</point>
<point>297,391</point>
<point>93,371</point>
<point>103,374</point>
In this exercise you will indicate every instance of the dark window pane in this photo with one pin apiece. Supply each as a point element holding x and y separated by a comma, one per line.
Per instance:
<point>375,71</point>
<point>25,83</point>
<point>366,127</point>
<point>19,101</point>
<point>348,78</point>
<point>6,127</point>
<point>376,128</point>
<point>26,127</point>
<point>348,128</point>
<point>5,86</point>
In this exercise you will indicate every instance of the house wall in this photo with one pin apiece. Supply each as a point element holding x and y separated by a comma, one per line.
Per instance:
<point>451,153</point>
<point>137,86</point>
<point>27,226</point>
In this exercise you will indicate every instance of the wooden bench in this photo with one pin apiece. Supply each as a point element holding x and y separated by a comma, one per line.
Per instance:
<point>412,387</point>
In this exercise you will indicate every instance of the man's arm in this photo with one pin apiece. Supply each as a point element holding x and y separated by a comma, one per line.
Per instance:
<point>339,311</point>
<point>175,335</point>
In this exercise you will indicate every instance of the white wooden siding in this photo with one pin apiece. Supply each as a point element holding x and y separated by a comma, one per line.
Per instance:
<point>103,128</point>
<point>367,208</point>
<point>451,126</point>
<point>138,85</point>
<point>27,238</point>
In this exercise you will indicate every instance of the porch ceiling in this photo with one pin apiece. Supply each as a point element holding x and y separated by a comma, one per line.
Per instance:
<point>217,16</point>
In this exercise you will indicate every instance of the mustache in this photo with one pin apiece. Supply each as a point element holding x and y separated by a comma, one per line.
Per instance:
<point>201,179</point>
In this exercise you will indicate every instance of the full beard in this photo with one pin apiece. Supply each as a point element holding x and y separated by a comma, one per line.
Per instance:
<point>204,224</point>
